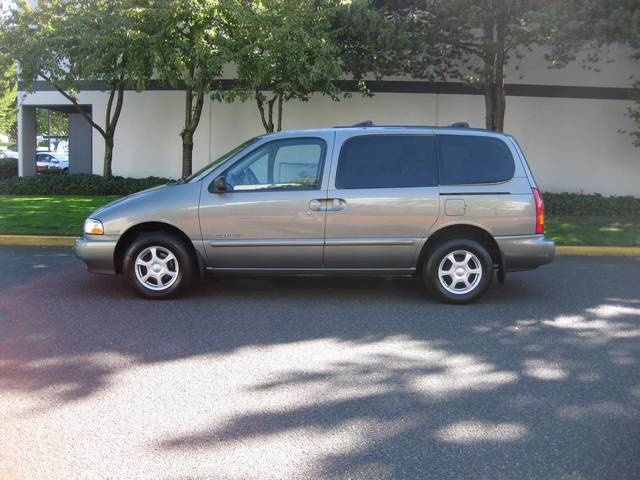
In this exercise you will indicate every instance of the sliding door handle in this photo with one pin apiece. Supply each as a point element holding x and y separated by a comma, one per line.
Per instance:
<point>315,205</point>
<point>338,204</point>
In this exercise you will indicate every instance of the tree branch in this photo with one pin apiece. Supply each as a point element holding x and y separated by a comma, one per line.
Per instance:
<point>74,102</point>
<point>112,94</point>
<point>260,103</point>
<point>116,113</point>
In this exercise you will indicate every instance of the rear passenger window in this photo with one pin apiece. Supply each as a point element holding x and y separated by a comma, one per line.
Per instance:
<point>467,159</point>
<point>387,161</point>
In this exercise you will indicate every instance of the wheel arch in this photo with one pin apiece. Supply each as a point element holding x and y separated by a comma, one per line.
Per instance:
<point>135,231</point>
<point>466,231</point>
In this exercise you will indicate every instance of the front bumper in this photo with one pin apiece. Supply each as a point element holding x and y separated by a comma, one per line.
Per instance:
<point>525,252</point>
<point>97,254</point>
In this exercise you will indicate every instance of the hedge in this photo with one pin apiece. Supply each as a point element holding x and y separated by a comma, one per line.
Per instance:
<point>579,204</point>
<point>52,184</point>
<point>8,168</point>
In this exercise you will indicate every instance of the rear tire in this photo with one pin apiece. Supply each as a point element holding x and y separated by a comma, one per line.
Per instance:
<point>458,271</point>
<point>158,265</point>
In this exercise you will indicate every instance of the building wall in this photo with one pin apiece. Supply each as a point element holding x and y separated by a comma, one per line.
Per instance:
<point>573,144</point>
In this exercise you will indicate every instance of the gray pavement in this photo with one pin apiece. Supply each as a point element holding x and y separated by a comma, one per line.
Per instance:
<point>318,378</point>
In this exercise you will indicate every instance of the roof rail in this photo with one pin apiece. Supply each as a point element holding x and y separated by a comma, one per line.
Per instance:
<point>460,125</point>
<point>366,123</point>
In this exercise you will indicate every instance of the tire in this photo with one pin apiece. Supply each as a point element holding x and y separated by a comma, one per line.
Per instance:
<point>470,267</point>
<point>153,276</point>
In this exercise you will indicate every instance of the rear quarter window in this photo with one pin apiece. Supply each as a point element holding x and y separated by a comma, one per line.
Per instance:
<point>467,159</point>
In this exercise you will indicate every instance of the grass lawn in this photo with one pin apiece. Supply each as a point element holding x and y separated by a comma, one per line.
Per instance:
<point>64,215</point>
<point>46,215</point>
<point>594,231</point>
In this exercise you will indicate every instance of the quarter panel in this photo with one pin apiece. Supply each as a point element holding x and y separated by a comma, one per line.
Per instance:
<point>502,209</point>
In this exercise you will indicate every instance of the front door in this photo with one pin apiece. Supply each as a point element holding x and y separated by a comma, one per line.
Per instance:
<point>385,198</point>
<point>272,215</point>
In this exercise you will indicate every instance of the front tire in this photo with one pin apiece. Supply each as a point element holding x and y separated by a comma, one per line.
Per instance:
<point>458,271</point>
<point>158,265</point>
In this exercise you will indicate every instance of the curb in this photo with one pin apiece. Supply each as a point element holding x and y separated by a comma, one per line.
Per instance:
<point>61,241</point>
<point>599,251</point>
<point>37,240</point>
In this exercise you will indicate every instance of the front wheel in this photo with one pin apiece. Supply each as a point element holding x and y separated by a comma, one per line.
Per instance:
<point>458,271</point>
<point>158,265</point>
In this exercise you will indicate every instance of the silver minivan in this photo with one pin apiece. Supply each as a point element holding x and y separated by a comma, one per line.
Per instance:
<point>449,205</point>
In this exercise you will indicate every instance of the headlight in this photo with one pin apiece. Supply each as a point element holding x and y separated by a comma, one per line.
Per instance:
<point>93,227</point>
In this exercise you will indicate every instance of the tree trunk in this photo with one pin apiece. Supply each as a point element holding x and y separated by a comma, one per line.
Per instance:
<point>267,116</point>
<point>187,153</point>
<point>494,63</point>
<point>280,113</point>
<point>191,120</point>
<point>495,103</point>
<point>108,156</point>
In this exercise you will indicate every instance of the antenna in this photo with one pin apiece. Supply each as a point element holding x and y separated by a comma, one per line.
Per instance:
<point>460,125</point>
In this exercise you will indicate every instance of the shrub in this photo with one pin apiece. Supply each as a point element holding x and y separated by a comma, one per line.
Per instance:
<point>8,168</point>
<point>77,185</point>
<point>594,204</point>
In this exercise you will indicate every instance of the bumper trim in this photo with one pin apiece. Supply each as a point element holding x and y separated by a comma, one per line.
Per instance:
<point>525,252</point>
<point>97,254</point>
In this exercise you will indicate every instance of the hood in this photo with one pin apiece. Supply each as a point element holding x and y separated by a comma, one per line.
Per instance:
<point>128,199</point>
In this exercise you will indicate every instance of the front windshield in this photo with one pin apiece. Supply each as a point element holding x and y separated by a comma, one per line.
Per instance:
<point>203,172</point>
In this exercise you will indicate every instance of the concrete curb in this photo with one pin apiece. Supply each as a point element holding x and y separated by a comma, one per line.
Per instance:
<point>60,241</point>
<point>600,251</point>
<point>37,240</point>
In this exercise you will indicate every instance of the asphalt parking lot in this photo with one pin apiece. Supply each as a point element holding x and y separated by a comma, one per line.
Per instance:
<point>318,378</point>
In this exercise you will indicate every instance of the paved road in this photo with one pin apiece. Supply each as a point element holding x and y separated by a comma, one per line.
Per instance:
<point>318,378</point>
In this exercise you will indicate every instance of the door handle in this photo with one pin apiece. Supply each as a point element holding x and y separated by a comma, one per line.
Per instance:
<point>315,205</point>
<point>338,204</point>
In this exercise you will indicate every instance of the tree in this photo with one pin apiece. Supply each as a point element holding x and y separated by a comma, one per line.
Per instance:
<point>68,43</point>
<point>9,103</point>
<point>370,43</point>
<point>587,28</point>
<point>284,47</point>
<point>188,52</point>
<point>469,40</point>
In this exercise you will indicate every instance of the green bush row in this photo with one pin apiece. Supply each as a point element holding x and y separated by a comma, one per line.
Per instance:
<point>52,184</point>
<point>594,204</point>
<point>57,184</point>
<point>8,168</point>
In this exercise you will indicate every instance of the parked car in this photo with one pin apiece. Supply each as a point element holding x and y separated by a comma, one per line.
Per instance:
<point>448,205</point>
<point>51,161</point>
<point>9,152</point>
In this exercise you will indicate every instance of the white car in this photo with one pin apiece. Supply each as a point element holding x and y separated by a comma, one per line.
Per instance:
<point>8,152</point>
<point>51,161</point>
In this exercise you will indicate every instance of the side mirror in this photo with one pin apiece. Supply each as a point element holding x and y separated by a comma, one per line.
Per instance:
<point>219,185</point>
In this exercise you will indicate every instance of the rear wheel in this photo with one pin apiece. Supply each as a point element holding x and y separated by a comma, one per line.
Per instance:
<point>158,265</point>
<point>458,271</point>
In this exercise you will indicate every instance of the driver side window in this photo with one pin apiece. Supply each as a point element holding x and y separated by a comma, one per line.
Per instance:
<point>294,164</point>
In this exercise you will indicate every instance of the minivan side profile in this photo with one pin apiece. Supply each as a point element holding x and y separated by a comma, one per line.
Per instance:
<point>450,205</point>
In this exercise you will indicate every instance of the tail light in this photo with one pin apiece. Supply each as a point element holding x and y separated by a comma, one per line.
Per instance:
<point>539,211</point>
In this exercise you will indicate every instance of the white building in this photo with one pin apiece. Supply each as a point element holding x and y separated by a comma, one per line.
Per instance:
<point>568,121</point>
